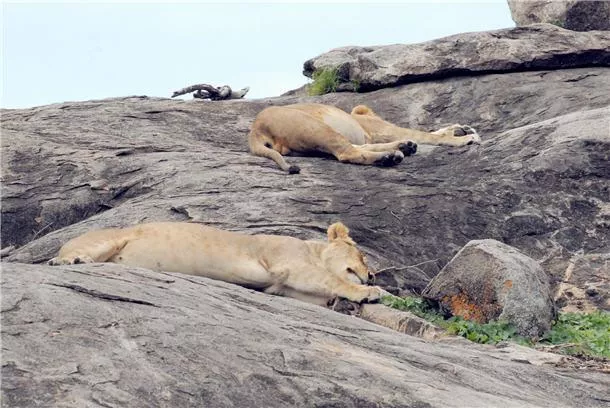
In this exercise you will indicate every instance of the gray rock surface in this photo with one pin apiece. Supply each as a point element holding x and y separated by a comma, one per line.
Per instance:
<point>577,15</point>
<point>533,47</point>
<point>103,335</point>
<point>401,321</point>
<point>488,280</point>
<point>539,180</point>
<point>577,292</point>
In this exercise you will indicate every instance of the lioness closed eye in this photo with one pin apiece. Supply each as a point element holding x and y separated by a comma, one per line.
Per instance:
<point>313,271</point>
<point>361,137</point>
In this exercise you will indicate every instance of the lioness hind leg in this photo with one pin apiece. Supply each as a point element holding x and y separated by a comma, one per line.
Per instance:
<point>94,246</point>
<point>360,155</point>
<point>407,147</point>
<point>340,146</point>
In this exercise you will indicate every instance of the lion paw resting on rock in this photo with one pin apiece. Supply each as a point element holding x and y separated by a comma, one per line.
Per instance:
<point>361,137</point>
<point>312,271</point>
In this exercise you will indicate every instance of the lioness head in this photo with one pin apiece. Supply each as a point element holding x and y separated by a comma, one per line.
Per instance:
<point>343,258</point>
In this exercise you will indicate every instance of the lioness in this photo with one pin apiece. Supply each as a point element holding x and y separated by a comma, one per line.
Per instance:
<point>312,271</point>
<point>361,138</point>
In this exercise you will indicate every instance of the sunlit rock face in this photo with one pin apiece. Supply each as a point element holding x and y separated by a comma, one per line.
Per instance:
<point>574,15</point>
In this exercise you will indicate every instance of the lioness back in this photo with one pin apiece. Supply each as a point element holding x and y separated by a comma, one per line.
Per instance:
<point>196,249</point>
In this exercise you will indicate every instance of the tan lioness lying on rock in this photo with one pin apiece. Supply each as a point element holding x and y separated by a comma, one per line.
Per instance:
<point>361,137</point>
<point>313,271</point>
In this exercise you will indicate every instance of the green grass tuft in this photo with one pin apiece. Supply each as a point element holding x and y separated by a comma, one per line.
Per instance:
<point>324,81</point>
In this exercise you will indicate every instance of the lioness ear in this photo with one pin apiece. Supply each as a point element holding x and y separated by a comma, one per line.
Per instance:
<point>338,231</point>
<point>363,110</point>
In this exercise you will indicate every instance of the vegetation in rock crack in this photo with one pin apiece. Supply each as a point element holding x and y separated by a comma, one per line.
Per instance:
<point>558,23</point>
<point>492,332</point>
<point>416,305</point>
<point>324,81</point>
<point>579,334</point>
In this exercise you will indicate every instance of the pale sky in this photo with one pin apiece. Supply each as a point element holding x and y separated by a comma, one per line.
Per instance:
<point>55,52</point>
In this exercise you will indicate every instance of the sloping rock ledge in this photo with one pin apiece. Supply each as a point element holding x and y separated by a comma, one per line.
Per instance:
<point>106,335</point>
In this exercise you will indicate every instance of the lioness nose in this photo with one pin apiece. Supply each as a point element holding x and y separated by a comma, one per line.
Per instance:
<point>371,277</point>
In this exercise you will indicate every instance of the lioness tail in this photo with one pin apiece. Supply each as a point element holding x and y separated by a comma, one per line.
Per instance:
<point>259,148</point>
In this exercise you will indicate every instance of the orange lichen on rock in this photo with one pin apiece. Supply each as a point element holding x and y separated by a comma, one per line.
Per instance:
<point>481,309</point>
<point>507,285</point>
<point>461,306</point>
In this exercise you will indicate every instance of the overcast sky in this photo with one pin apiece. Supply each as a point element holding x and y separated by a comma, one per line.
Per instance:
<point>55,52</point>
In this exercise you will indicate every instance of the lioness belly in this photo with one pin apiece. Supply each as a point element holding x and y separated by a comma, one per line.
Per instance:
<point>338,120</point>
<point>345,125</point>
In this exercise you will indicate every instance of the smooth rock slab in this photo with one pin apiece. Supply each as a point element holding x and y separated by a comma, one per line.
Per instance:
<point>103,335</point>
<point>488,280</point>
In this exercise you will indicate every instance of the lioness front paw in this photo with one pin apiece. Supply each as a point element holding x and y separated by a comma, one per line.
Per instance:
<point>408,148</point>
<point>70,260</point>
<point>390,159</point>
<point>372,294</point>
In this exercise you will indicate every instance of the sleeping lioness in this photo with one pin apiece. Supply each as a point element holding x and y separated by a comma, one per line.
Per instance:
<point>313,271</point>
<point>361,137</point>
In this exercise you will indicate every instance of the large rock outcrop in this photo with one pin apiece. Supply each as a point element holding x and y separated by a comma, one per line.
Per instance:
<point>538,181</point>
<point>106,335</point>
<point>534,47</point>
<point>488,280</point>
<point>577,15</point>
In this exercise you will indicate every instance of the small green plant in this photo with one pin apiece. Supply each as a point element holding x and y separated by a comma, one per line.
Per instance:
<point>416,305</point>
<point>586,334</point>
<point>492,332</point>
<point>581,334</point>
<point>558,23</point>
<point>324,81</point>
